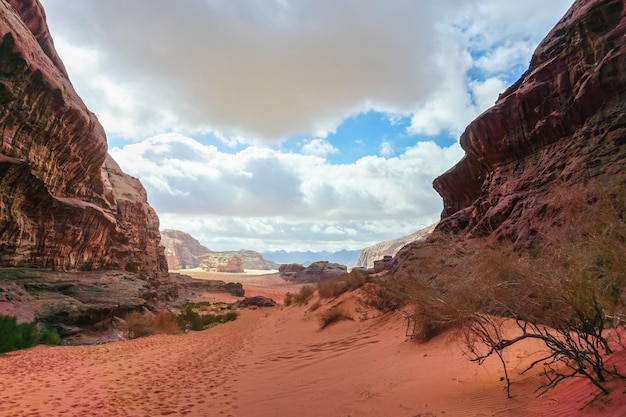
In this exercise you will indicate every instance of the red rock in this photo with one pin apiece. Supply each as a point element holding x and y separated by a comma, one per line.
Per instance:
<point>562,125</point>
<point>64,203</point>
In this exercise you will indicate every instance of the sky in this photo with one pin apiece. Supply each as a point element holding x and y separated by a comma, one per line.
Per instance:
<point>293,124</point>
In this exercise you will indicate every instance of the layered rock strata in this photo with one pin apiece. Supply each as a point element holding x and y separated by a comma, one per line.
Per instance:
<point>64,203</point>
<point>563,124</point>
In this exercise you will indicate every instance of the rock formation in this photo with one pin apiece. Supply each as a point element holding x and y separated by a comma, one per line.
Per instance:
<point>222,262</point>
<point>184,251</point>
<point>380,250</point>
<point>317,271</point>
<point>563,124</point>
<point>64,203</point>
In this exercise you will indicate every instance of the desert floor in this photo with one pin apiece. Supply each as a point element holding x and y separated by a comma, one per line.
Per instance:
<point>277,362</point>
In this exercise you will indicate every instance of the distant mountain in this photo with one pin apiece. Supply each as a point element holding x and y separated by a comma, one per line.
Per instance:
<point>343,257</point>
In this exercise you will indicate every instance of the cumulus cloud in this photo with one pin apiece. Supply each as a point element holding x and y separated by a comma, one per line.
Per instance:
<point>253,73</point>
<point>318,147</point>
<point>278,196</point>
<point>266,70</point>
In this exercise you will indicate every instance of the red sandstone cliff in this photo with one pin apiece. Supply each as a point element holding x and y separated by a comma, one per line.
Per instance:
<point>64,203</point>
<point>562,124</point>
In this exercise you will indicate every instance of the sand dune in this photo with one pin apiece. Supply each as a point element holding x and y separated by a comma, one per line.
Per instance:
<point>277,362</point>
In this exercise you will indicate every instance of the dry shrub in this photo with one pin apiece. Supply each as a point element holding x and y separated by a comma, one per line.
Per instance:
<point>565,293</point>
<point>304,294</point>
<point>140,325</point>
<point>315,305</point>
<point>333,315</point>
<point>288,300</point>
<point>334,287</point>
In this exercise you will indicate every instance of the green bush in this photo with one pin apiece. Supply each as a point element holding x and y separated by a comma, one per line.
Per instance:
<point>194,321</point>
<point>15,336</point>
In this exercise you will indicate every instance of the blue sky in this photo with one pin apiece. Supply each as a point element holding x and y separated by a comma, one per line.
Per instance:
<point>296,125</point>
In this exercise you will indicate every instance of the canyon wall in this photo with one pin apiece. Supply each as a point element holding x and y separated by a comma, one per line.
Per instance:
<point>561,126</point>
<point>64,203</point>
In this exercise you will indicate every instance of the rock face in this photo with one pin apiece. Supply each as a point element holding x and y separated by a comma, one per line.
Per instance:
<point>222,262</point>
<point>562,124</point>
<point>64,203</point>
<point>377,252</point>
<point>184,251</point>
<point>317,271</point>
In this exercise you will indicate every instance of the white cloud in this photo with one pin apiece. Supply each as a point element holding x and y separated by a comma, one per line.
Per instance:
<point>278,197</point>
<point>261,70</point>
<point>254,72</point>
<point>386,148</point>
<point>318,147</point>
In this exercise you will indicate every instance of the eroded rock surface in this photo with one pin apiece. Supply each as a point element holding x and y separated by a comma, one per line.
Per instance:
<point>381,250</point>
<point>563,124</point>
<point>64,203</point>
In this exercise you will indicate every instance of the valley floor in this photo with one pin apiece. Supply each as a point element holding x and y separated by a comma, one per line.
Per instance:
<point>277,362</point>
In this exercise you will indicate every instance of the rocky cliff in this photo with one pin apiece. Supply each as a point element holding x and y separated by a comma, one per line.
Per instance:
<point>380,250</point>
<point>563,124</point>
<point>184,252</point>
<point>64,203</point>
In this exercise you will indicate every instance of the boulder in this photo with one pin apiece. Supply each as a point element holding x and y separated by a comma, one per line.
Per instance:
<point>317,271</point>
<point>257,301</point>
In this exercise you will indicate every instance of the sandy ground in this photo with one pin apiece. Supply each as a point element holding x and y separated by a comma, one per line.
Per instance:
<point>277,362</point>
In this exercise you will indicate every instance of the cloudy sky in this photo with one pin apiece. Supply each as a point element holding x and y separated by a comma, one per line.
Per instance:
<point>293,124</point>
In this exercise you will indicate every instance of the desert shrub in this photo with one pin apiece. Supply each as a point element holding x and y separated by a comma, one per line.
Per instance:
<point>304,294</point>
<point>315,305</point>
<point>140,325</point>
<point>330,288</point>
<point>334,287</point>
<point>566,293</point>
<point>192,320</point>
<point>332,316</point>
<point>288,300</point>
<point>15,336</point>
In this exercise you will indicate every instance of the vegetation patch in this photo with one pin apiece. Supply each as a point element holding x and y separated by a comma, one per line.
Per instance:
<point>15,336</point>
<point>140,325</point>
<point>192,320</point>
<point>302,297</point>
<point>567,292</point>
<point>334,287</point>
<point>333,315</point>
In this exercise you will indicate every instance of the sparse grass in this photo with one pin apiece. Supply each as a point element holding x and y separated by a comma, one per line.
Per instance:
<point>333,315</point>
<point>15,336</point>
<point>331,288</point>
<point>315,305</point>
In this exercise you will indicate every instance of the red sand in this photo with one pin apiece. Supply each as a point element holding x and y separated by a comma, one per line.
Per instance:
<point>276,362</point>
